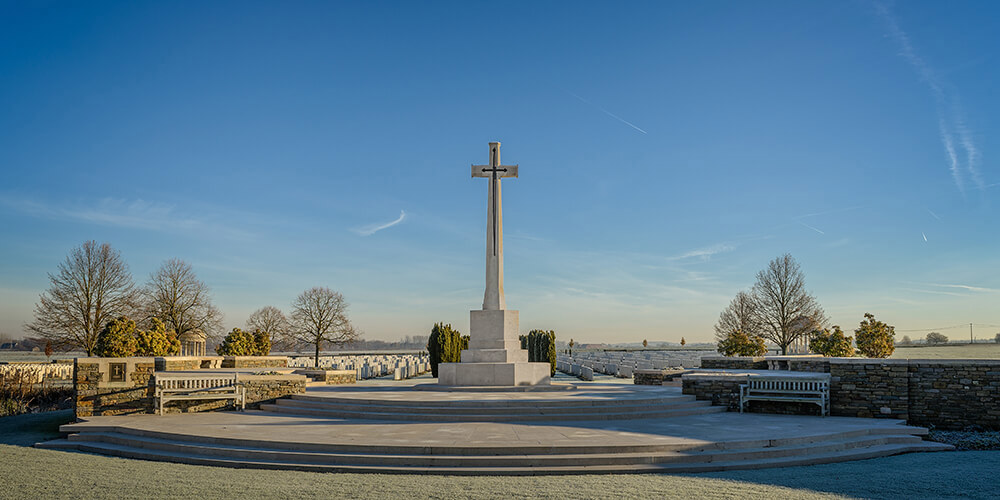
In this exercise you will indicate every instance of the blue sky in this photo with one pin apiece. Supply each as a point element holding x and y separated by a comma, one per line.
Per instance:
<point>667,151</point>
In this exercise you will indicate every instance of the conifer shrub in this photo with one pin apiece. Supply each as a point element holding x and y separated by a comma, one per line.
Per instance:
<point>445,345</point>
<point>541,347</point>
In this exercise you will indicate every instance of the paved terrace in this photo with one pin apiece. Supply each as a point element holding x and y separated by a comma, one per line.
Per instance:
<point>681,432</point>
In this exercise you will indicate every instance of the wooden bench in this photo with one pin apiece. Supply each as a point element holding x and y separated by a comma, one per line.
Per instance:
<point>190,387</point>
<point>800,389</point>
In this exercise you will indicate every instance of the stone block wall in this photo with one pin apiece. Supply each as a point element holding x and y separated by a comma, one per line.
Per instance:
<point>954,394</point>
<point>268,388</point>
<point>330,377</point>
<point>861,387</point>
<point>255,362</point>
<point>341,377</point>
<point>945,393</point>
<point>721,389</point>
<point>648,377</point>
<point>734,363</point>
<point>96,394</point>
<point>817,365</point>
<point>178,363</point>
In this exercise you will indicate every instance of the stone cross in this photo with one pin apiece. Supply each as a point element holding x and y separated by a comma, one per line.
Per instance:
<point>493,299</point>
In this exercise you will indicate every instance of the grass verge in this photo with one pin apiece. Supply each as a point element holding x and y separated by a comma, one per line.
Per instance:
<point>32,473</point>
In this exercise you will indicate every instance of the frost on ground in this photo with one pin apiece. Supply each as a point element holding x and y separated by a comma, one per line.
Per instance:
<point>968,440</point>
<point>31,473</point>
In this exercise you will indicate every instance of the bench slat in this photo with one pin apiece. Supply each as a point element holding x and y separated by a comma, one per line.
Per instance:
<point>786,389</point>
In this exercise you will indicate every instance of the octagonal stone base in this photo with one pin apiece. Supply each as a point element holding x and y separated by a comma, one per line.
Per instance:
<point>493,374</point>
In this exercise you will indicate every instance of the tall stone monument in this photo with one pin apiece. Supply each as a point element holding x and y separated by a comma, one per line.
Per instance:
<point>494,356</point>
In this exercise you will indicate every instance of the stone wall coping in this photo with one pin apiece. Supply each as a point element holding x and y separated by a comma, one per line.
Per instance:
<point>735,373</point>
<point>948,362</point>
<point>129,359</point>
<point>287,377</point>
<point>242,375</point>
<point>254,357</point>
<point>188,358</point>
<point>322,370</point>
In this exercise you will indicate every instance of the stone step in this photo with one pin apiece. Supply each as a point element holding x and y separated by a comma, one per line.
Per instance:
<point>192,453</point>
<point>498,403</point>
<point>490,416</point>
<point>503,448</point>
<point>251,452</point>
<point>546,408</point>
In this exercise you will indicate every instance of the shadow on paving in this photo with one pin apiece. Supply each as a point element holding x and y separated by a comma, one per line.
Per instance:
<point>966,474</point>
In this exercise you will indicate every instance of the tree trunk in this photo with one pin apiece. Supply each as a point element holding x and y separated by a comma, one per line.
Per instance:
<point>317,355</point>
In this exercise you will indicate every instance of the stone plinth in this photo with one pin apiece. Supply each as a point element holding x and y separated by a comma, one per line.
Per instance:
<point>494,356</point>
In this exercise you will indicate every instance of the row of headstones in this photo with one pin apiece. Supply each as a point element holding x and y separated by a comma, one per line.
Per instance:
<point>400,366</point>
<point>580,371</point>
<point>624,364</point>
<point>411,370</point>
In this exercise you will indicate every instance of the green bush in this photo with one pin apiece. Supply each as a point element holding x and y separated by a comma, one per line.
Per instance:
<point>874,338</point>
<point>737,343</point>
<point>157,341</point>
<point>262,341</point>
<point>831,343</point>
<point>117,339</point>
<point>237,343</point>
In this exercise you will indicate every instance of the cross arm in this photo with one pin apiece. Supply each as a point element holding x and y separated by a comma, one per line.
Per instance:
<point>487,171</point>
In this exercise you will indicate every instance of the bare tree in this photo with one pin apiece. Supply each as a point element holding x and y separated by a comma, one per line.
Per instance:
<point>93,286</point>
<point>319,316</point>
<point>739,316</point>
<point>787,312</point>
<point>271,320</point>
<point>175,296</point>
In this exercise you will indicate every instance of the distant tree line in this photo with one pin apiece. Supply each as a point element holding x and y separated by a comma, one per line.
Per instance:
<point>92,304</point>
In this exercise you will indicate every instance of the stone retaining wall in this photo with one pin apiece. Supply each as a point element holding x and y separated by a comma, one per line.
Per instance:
<point>648,377</point>
<point>331,377</point>
<point>955,394</point>
<point>719,388</point>
<point>944,393</point>
<point>861,387</point>
<point>255,361</point>
<point>734,363</point>
<point>96,394</point>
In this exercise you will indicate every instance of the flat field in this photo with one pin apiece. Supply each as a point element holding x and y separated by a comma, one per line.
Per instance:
<point>949,351</point>
<point>35,357</point>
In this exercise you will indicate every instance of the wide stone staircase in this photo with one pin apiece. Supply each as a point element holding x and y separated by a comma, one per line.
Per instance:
<point>349,407</point>
<point>514,459</point>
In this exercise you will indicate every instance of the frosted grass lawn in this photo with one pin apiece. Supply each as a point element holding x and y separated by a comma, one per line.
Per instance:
<point>30,473</point>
